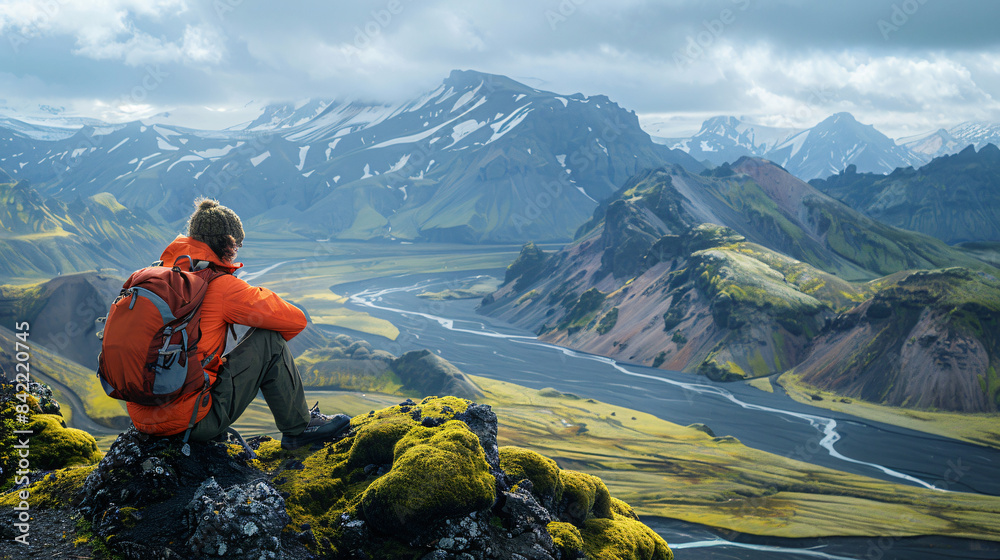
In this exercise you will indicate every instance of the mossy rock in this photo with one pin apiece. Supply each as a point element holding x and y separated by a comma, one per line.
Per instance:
<point>621,538</point>
<point>567,538</point>
<point>524,464</point>
<point>584,495</point>
<point>619,507</point>
<point>526,268</point>
<point>376,445</point>
<point>436,473</point>
<point>55,490</point>
<point>54,446</point>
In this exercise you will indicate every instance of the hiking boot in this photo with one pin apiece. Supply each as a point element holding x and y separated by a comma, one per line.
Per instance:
<point>321,428</point>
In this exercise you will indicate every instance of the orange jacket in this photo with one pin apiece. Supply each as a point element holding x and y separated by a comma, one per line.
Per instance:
<point>228,301</point>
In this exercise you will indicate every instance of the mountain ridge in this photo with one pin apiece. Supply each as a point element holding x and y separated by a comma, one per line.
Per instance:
<point>817,152</point>
<point>648,281</point>
<point>480,158</point>
<point>952,198</point>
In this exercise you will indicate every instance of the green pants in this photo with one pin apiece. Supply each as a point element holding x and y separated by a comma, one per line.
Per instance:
<point>262,361</point>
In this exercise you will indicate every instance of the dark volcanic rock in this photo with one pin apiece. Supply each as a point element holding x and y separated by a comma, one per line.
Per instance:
<point>146,499</point>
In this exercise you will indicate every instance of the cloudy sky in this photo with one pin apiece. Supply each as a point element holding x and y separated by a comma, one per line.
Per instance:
<point>906,66</point>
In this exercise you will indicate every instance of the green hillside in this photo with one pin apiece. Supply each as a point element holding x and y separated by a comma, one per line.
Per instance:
<point>953,198</point>
<point>42,237</point>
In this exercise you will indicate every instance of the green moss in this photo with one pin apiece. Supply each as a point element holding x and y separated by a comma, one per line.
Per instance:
<point>55,446</point>
<point>584,310</point>
<point>529,295</point>
<point>566,537</point>
<point>436,473</point>
<point>659,359</point>
<point>376,445</point>
<point>85,538</point>
<point>520,464</point>
<point>55,490</point>
<point>608,321</point>
<point>735,369</point>
<point>527,267</point>
<point>584,495</point>
<point>622,538</point>
<point>620,508</point>
<point>758,365</point>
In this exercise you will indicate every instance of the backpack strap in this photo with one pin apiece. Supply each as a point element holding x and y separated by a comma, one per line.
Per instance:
<point>186,448</point>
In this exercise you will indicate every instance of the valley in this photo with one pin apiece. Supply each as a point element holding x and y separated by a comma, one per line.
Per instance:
<point>569,417</point>
<point>732,349</point>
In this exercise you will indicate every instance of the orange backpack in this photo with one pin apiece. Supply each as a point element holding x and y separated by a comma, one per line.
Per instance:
<point>149,346</point>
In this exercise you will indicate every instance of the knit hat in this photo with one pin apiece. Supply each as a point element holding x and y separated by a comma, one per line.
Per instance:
<point>212,222</point>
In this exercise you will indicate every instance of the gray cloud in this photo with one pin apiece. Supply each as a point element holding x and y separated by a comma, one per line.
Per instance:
<point>903,65</point>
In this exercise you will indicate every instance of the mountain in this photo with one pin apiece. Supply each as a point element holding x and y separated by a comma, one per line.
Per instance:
<point>925,340</point>
<point>770,207</point>
<point>757,292</point>
<point>932,145</point>
<point>837,142</point>
<point>820,151</point>
<point>480,158</point>
<point>45,236</point>
<point>946,142</point>
<point>954,198</point>
<point>727,139</point>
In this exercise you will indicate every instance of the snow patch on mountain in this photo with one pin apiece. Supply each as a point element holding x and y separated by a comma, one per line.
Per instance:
<point>164,145</point>
<point>259,159</point>
<point>399,164</point>
<point>503,127</point>
<point>303,150</point>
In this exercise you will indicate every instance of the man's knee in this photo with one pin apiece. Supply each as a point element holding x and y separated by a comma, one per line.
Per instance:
<point>264,337</point>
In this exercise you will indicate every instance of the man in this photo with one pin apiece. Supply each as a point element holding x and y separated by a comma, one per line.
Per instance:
<point>262,361</point>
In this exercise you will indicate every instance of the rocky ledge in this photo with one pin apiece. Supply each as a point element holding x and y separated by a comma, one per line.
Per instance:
<point>420,480</point>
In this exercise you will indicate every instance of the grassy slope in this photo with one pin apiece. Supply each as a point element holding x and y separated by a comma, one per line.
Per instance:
<point>981,429</point>
<point>664,469</point>
<point>40,236</point>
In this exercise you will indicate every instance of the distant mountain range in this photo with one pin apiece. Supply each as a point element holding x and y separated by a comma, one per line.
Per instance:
<point>480,158</point>
<point>947,142</point>
<point>830,147</point>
